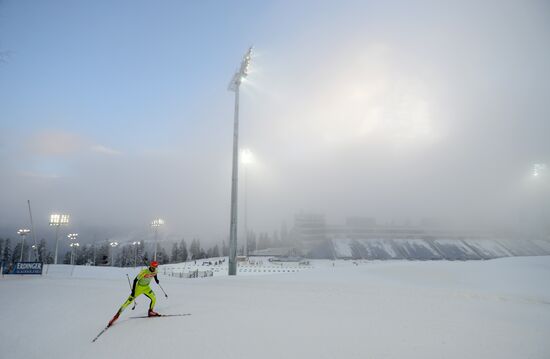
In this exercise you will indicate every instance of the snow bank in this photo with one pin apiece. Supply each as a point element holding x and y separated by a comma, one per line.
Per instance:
<point>344,309</point>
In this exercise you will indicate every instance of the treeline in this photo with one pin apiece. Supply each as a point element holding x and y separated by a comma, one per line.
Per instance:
<point>127,255</point>
<point>103,254</point>
<point>263,240</point>
<point>9,255</point>
<point>132,253</point>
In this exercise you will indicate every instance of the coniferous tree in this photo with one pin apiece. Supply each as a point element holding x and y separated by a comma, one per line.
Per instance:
<point>6,258</point>
<point>195,249</point>
<point>41,251</point>
<point>49,257</point>
<point>102,255</point>
<point>213,251</point>
<point>276,242</point>
<point>183,254</point>
<point>262,243</point>
<point>67,258</point>
<point>225,249</point>
<point>138,255</point>
<point>1,248</point>
<point>119,259</point>
<point>91,254</point>
<point>197,252</point>
<point>129,255</point>
<point>162,256</point>
<point>251,242</point>
<point>175,256</point>
<point>120,256</point>
<point>216,251</point>
<point>284,234</point>
<point>82,255</point>
<point>16,253</point>
<point>192,249</point>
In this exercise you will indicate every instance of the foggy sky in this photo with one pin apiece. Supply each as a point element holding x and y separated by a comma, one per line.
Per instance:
<point>393,110</point>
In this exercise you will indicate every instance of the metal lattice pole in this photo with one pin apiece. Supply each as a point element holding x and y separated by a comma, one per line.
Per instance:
<point>234,85</point>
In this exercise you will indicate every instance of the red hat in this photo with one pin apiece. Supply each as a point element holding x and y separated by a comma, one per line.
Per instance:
<point>154,264</point>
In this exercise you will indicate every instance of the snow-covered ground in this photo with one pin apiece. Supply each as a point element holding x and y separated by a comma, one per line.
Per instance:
<point>388,309</point>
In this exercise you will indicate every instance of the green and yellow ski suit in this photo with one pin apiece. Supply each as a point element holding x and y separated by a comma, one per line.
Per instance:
<point>141,286</point>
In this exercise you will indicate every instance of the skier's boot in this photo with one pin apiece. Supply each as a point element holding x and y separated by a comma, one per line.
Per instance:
<point>112,321</point>
<point>152,313</point>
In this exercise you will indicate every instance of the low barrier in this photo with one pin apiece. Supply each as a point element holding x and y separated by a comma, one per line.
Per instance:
<point>197,271</point>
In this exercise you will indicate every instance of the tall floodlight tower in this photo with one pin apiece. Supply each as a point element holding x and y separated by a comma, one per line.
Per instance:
<point>135,244</point>
<point>156,223</point>
<point>234,86</point>
<point>23,233</point>
<point>72,243</point>
<point>113,246</point>
<point>73,246</point>
<point>58,220</point>
<point>35,245</point>
<point>35,250</point>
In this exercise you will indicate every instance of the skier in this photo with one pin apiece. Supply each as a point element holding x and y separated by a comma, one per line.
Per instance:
<point>141,286</point>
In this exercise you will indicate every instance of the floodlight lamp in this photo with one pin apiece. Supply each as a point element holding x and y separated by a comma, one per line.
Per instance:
<point>54,219</point>
<point>113,244</point>
<point>72,236</point>
<point>23,231</point>
<point>245,64</point>
<point>157,222</point>
<point>242,72</point>
<point>59,219</point>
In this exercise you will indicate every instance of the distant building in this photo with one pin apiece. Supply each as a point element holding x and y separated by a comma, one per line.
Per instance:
<point>309,227</point>
<point>313,228</point>
<point>364,238</point>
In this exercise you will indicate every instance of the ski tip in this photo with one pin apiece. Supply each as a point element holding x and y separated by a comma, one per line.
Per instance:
<point>101,332</point>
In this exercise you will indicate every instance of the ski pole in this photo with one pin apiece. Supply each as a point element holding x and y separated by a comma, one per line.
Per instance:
<point>135,302</point>
<point>166,295</point>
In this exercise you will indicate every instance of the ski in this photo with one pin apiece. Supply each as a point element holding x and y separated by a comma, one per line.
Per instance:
<point>140,317</point>
<point>101,332</point>
<point>162,315</point>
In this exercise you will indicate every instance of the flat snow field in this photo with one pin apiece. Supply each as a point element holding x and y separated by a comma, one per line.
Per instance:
<point>393,309</point>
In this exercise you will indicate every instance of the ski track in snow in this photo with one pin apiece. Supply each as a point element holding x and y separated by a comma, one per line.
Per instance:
<point>383,309</point>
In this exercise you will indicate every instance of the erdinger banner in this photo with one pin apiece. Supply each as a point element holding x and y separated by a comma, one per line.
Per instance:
<point>27,268</point>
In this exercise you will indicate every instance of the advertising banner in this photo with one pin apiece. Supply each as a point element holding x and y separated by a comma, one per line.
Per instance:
<point>27,268</point>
